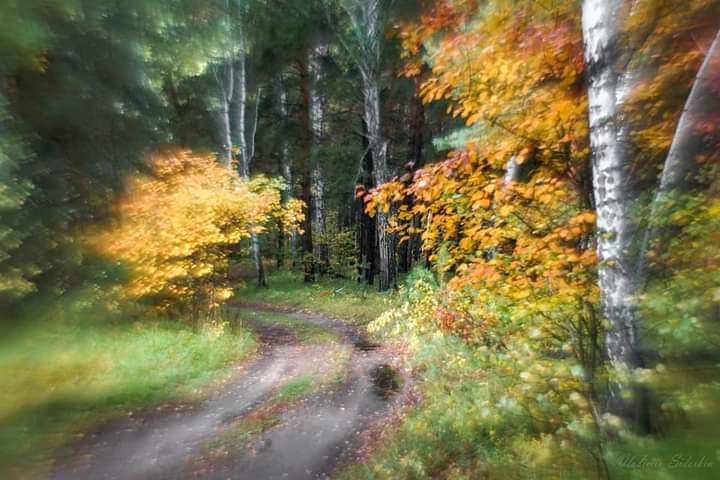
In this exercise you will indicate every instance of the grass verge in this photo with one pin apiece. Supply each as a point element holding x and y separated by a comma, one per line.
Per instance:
<point>311,384</point>
<point>62,380</point>
<point>242,431</point>
<point>455,431</point>
<point>295,389</point>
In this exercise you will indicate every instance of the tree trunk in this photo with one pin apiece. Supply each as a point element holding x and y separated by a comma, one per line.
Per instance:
<point>227,82</point>
<point>304,169</point>
<point>512,172</point>
<point>286,172</point>
<point>368,243</point>
<point>364,16</point>
<point>378,148</point>
<point>240,117</point>
<point>415,160</point>
<point>688,143</point>
<point>610,188</point>
<point>368,22</point>
<point>179,108</point>
<point>317,133</point>
<point>246,151</point>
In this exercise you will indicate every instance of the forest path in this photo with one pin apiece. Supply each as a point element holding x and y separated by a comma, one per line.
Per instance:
<point>294,412</point>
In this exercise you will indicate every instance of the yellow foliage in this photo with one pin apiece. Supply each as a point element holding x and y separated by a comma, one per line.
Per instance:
<point>177,224</point>
<point>519,252</point>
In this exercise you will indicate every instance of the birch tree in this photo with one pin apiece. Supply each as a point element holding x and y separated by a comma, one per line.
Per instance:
<point>246,129</point>
<point>611,192</point>
<point>366,27</point>
<point>231,77</point>
<point>689,142</point>
<point>225,78</point>
<point>285,166</point>
<point>317,105</point>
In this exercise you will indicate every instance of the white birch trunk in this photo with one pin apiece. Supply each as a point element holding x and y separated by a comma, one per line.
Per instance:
<point>687,143</point>
<point>367,26</point>
<point>512,172</point>
<point>246,151</point>
<point>317,131</point>
<point>285,160</point>
<point>226,82</point>
<point>610,188</point>
<point>241,116</point>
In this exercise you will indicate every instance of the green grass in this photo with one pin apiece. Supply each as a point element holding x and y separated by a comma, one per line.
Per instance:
<point>295,389</point>
<point>242,431</point>
<point>342,368</point>
<point>306,333</point>
<point>457,432</point>
<point>444,432</point>
<point>306,385</point>
<point>61,380</point>
<point>345,299</point>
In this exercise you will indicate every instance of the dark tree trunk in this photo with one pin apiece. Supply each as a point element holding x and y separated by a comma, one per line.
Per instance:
<point>367,238</point>
<point>305,176</point>
<point>178,107</point>
<point>408,249</point>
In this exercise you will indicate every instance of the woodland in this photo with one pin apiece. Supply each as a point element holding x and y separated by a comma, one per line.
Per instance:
<point>360,239</point>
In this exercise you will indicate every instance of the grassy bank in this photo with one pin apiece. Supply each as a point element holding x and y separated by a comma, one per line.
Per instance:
<point>61,380</point>
<point>333,297</point>
<point>456,433</point>
<point>464,428</point>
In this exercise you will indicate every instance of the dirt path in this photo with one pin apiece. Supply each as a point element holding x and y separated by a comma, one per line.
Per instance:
<point>248,430</point>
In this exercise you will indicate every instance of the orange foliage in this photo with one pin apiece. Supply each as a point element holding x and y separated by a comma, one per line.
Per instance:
<point>516,78</point>
<point>669,43</point>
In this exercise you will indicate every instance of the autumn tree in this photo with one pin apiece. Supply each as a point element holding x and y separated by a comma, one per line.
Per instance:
<point>83,87</point>
<point>611,188</point>
<point>367,20</point>
<point>177,227</point>
<point>616,36</point>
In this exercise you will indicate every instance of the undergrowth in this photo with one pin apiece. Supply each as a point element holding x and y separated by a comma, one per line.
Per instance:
<point>515,412</point>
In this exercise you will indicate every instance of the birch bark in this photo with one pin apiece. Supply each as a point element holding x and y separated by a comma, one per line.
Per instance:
<point>611,192</point>
<point>285,168</point>
<point>688,142</point>
<point>317,132</point>
<point>245,148</point>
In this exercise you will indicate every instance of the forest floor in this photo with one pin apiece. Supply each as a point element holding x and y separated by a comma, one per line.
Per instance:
<point>299,409</point>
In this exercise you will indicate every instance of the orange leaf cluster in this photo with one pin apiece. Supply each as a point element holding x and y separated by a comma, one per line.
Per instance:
<point>516,77</point>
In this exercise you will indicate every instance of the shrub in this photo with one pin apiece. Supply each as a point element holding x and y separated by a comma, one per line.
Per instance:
<point>177,226</point>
